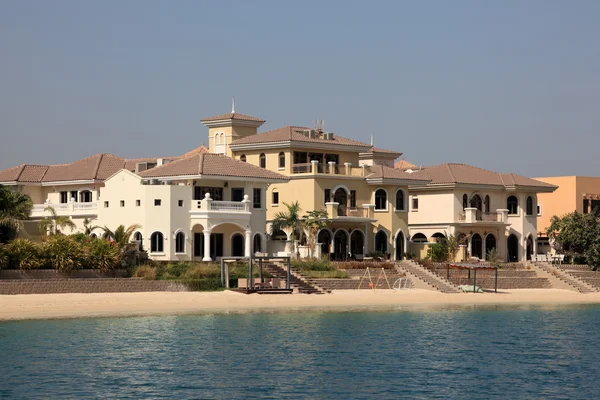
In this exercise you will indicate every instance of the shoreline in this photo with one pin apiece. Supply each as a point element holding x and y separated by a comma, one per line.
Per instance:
<point>100,305</point>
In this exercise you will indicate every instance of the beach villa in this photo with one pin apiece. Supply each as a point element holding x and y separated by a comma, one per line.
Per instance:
<point>220,200</point>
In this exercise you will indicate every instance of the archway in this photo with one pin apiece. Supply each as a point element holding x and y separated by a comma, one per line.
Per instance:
<point>476,246</point>
<point>512,245</point>
<point>257,246</point>
<point>490,244</point>
<point>381,242</point>
<point>341,244</point>
<point>341,197</point>
<point>476,202</point>
<point>399,246</point>
<point>438,237</point>
<point>357,242</point>
<point>324,237</point>
<point>237,245</point>
<point>529,248</point>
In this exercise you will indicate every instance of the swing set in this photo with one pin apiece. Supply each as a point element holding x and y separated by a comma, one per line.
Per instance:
<point>376,284</point>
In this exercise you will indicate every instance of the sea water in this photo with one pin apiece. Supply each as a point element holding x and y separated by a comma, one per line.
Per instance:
<point>472,353</point>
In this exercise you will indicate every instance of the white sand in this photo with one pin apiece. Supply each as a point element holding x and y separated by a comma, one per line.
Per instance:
<point>77,305</point>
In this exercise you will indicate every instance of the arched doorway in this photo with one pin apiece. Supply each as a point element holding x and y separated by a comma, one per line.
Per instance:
<point>438,237</point>
<point>529,248</point>
<point>476,202</point>
<point>257,246</point>
<point>357,242</point>
<point>476,246</point>
<point>400,246</point>
<point>381,242</point>
<point>324,237</point>
<point>512,245</point>
<point>341,197</point>
<point>237,245</point>
<point>341,244</point>
<point>490,244</point>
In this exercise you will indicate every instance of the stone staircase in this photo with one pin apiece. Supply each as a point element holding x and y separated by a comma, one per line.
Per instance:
<point>431,280</point>
<point>566,277</point>
<point>297,281</point>
<point>515,276</point>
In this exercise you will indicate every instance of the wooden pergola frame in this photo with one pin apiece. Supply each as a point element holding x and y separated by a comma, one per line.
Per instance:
<point>474,268</point>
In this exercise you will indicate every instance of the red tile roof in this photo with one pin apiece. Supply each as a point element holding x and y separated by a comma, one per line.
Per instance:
<point>212,165</point>
<point>385,172</point>
<point>403,164</point>
<point>294,133</point>
<point>468,174</point>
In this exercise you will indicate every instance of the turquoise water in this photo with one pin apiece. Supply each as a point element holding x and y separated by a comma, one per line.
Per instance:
<point>452,353</point>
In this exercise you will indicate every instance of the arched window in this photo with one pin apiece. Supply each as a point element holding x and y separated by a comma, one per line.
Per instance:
<point>275,200</point>
<point>263,160</point>
<point>381,199</point>
<point>282,160</point>
<point>137,238</point>
<point>486,204</point>
<point>512,203</point>
<point>180,242</point>
<point>243,158</point>
<point>400,200</point>
<point>85,196</point>
<point>419,238</point>
<point>529,205</point>
<point>257,243</point>
<point>93,236</point>
<point>465,201</point>
<point>156,242</point>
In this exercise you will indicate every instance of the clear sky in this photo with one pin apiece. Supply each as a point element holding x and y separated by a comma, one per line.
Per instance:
<point>512,86</point>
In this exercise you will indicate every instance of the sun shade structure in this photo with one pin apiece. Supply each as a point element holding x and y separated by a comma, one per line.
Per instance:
<point>474,268</point>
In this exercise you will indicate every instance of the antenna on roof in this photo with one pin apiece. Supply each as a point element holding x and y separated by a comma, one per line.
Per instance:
<point>323,125</point>
<point>232,105</point>
<point>371,140</point>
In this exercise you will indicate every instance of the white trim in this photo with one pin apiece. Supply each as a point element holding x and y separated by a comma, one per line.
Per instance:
<point>243,228</point>
<point>538,210</point>
<point>181,230</point>
<point>69,183</point>
<point>396,240</point>
<point>335,189</point>
<point>150,239</point>
<point>322,144</point>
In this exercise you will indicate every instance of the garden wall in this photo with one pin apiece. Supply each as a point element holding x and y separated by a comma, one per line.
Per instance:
<point>54,274</point>
<point>84,285</point>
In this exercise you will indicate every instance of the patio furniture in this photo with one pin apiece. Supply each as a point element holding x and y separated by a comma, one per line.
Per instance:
<point>276,283</point>
<point>243,283</point>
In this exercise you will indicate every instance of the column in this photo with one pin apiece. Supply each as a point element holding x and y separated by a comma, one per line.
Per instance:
<point>206,246</point>
<point>248,249</point>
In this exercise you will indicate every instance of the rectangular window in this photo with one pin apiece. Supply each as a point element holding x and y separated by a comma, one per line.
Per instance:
<point>415,203</point>
<point>73,195</point>
<point>586,204</point>
<point>122,203</point>
<point>353,198</point>
<point>180,203</point>
<point>138,203</point>
<point>257,198</point>
<point>106,204</point>
<point>275,198</point>
<point>237,194</point>
<point>216,193</point>
<point>157,202</point>
<point>64,197</point>
<point>539,210</point>
<point>327,195</point>
<point>85,196</point>
<point>595,205</point>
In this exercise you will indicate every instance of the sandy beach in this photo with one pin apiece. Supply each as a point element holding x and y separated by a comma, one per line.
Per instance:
<point>78,305</point>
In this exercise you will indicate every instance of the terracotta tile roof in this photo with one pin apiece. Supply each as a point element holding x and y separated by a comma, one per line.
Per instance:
<point>211,164</point>
<point>468,174</point>
<point>198,150</point>
<point>234,116</point>
<point>383,172</point>
<point>294,133</point>
<point>33,173</point>
<point>403,164</point>
<point>11,174</point>
<point>384,151</point>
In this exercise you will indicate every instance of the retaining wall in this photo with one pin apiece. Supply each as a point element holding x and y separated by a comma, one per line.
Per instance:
<point>83,285</point>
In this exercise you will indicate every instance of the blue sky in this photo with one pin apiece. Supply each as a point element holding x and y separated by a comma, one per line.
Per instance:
<point>511,86</point>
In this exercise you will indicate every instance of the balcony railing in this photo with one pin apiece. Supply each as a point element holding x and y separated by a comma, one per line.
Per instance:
<point>333,169</point>
<point>72,208</point>
<point>221,206</point>
<point>472,215</point>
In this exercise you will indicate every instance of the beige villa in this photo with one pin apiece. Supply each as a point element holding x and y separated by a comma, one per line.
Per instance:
<point>220,200</point>
<point>489,210</point>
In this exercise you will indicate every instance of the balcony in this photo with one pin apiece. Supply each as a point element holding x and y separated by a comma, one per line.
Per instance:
<point>66,209</point>
<point>336,211</point>
<point>331,168</point>
<point>474,216</point>
<point>220,206</point>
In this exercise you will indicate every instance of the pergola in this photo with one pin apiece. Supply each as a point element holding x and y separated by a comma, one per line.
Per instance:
<point>474,268</point>
<point>225,268</point>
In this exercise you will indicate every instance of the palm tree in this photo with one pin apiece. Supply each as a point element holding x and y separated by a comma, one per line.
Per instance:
<point>54,224</point>
<point>453,244</point>
<point>314,221</point>
<point>88,228</point>
<point>14,209</point>
<point>121,236</point>
<point>289,219</point>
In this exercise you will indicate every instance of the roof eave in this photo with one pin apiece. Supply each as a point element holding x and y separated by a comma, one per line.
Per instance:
<point>73,182</point>
<point>395,181</point>
<point>299,144</point>
<point>232,122</point>
<point>215,177</point>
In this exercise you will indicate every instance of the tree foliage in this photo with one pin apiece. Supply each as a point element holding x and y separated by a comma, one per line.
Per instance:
<point>577,234</point>
<point>14,209</point>
<point>121,236</point>
<point>64,253</point>
<point>23,254</point>
<point>314,221</point>
<point>54,224</point>
<point>290,220</point>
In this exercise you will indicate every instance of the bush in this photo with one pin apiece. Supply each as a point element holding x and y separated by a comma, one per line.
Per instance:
<point>438,252</point>
<point>312,265</point>
<point>103,255</point>
<point>365,265</point>
<point>63,253</point>
<point>203,271</point>
<point>146,272</point>
<point>337,274</point>
<point>3,256</point>
<point>203,285</point>
<point>23,254</point>
<point>376,254</point>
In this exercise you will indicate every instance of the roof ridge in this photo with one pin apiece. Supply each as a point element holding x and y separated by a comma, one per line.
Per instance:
<point>200,163</point>
<point>450,172</point>
<point>95,174</point>
<point>21,171</point>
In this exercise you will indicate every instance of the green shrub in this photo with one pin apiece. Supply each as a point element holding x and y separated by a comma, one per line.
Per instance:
<point>312,265</point>
<point>63,253</point>
<point>203,271</point>
<point>376,254</point>
<point>147,272</point>
<point>103,255</point>
<point>23,254</point>
<point>326,274</point>
<point>3,256</point>
<point>203,285</point>
<point>365,265</point>
<point>438,252</point>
